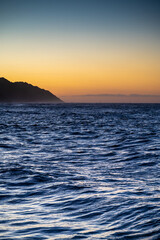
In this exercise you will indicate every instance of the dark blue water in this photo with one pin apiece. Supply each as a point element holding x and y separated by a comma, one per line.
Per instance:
<point>78,171</point>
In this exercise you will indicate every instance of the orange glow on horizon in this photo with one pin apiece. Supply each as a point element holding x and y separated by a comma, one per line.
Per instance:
<point>68,70</point>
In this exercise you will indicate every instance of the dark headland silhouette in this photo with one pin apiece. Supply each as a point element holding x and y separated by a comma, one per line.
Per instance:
<point>22,92</point>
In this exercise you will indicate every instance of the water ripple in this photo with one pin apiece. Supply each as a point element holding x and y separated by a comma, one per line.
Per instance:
<point>80,171</point>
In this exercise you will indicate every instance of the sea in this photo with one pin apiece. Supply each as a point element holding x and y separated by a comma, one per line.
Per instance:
<point>79,171</point>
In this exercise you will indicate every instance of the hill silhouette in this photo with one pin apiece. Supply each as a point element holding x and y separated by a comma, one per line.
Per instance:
<point>24,92</point>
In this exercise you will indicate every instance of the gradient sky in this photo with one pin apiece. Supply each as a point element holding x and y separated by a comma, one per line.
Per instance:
<point>96,48</point>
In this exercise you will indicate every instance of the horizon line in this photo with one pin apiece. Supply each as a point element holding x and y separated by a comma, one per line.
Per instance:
<point>112,95</point>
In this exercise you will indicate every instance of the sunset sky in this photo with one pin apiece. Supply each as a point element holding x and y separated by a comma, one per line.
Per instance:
<point>83,50</point>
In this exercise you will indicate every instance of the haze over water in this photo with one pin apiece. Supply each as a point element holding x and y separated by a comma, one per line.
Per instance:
<point>79,171</point>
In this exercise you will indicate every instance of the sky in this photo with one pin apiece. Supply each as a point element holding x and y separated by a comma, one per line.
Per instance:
<point>83,50</point>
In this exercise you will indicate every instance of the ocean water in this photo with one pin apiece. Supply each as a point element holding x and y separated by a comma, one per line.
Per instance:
<point>79,171</point>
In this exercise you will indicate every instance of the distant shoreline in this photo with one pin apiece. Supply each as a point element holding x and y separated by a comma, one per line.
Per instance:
<point>22,92</point>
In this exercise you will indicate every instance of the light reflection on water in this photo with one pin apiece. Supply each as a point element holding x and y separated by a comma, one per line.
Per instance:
<point>72,171</point>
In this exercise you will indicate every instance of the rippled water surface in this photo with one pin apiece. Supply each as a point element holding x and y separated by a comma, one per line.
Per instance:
<point>73,171</point>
